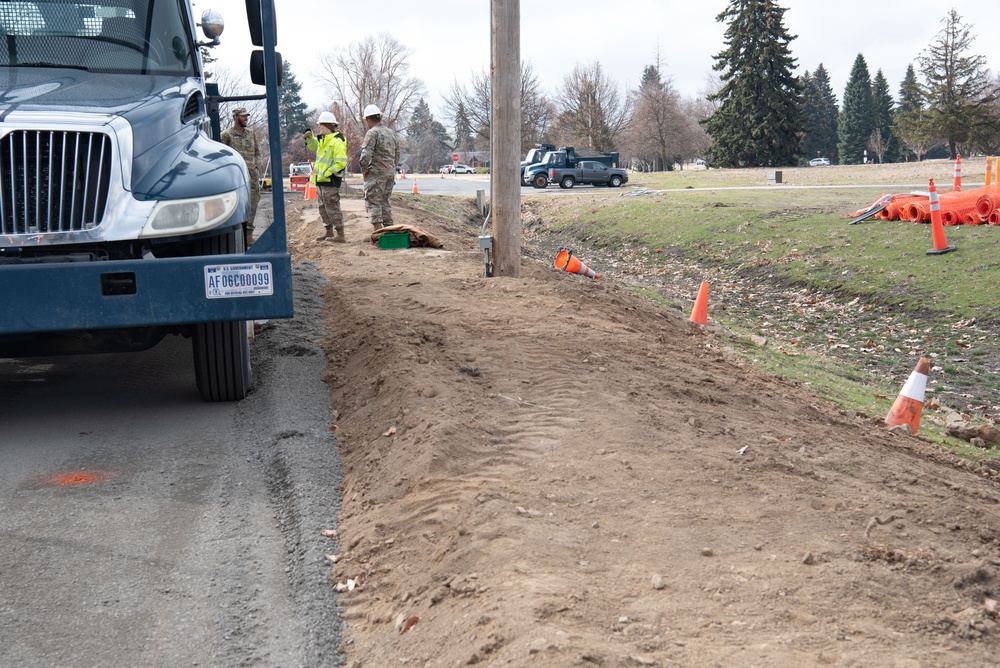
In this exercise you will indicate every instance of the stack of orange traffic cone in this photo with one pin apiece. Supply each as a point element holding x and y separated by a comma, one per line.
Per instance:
<point>699,314</point>
<point>957,187</point>
<point>910,402</point>
<point>937,226</point>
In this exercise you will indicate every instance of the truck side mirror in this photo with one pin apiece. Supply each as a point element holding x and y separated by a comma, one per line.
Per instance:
<point>257,74</point>
<point>212,25</point>
<point>256,23</point>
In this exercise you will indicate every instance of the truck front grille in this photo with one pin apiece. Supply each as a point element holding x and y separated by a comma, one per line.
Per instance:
<point>53,181</point>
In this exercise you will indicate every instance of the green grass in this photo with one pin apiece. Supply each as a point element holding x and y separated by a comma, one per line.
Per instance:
<point>803,238</point>
<point>894,303</point>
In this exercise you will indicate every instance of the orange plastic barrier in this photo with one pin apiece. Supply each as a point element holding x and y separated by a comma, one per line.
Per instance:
<point>964,207</point>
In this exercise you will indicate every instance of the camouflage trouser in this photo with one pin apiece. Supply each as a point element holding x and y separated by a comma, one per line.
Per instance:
<point>378,187</point>
<point>329,205</point>
<point>248,226</point>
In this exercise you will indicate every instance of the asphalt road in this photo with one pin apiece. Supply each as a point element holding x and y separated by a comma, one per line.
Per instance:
<point>140,526</point>
<point>466,185</point>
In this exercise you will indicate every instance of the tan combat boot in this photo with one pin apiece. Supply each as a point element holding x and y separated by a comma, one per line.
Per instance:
<point>340,238</point>
<point>328,235</point>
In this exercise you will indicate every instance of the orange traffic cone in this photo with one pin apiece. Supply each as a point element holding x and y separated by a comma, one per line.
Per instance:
<point>957,187</point>
<point>699,314</point>
<point>311,191</point>
<point>402,173</point>
<point>566,262</point>
<point>908,405</point>
<point>989,170</point>
<point>415,191</point>
<point>937,226</point>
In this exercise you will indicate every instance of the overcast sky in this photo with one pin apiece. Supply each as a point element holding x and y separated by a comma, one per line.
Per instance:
<point>450,39</point>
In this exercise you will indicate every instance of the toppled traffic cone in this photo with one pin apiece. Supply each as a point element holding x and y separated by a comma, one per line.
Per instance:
<point>566,262</point>
<point>699,314</point>
<point>957,185</point>
<point>311,191</point>
<point>937,226</point>
<point>910,402</point>
<point>415,191</point>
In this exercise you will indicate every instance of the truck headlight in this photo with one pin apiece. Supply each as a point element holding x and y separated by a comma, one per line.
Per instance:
<point>186,216</point>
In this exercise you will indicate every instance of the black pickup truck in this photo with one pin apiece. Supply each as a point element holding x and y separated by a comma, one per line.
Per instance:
<point>588,172</point>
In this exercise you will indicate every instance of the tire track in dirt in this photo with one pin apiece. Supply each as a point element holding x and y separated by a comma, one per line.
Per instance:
<point>527,498</point>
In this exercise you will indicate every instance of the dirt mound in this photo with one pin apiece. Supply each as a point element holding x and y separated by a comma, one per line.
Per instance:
<point>551,471</point>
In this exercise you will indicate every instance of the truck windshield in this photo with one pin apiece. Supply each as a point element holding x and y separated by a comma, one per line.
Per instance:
<point>121,36</point>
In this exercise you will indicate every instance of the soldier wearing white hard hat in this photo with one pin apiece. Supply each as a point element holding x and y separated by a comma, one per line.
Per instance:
<point>328,174</point>
<point>379,157</point>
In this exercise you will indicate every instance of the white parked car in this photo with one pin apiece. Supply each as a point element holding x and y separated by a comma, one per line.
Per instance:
<point>462,169</point>
<point>816,162</point>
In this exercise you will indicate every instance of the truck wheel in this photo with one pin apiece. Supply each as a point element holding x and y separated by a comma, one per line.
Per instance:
<point>222,349</point>
<point>540,181</point>
<point>567,182</point>
<point>616,181</point>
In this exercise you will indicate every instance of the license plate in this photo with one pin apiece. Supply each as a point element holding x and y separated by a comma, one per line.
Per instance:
<point>224,281</point>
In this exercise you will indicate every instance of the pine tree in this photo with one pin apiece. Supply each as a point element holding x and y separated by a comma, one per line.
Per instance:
<point>882,107</point>
<point>908,124</point>
<point>420,120</point>
<point>759,118</point>
<point>428,143</point>
<point>463,130</point>
<point>293,114</point>
<point>819,115</point>
<point>650,75</point>
<point>857,121</point>
<point>959,91</point>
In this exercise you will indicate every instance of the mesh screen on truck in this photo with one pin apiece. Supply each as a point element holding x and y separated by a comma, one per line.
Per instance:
<point>123,36</point>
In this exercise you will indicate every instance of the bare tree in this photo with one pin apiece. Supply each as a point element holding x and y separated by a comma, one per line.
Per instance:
<point>232,84</point>
<point>372,71</point>
<point>593,113</point>
<point>878,145</point>
<point>475,100</point>
<point>664,129</point>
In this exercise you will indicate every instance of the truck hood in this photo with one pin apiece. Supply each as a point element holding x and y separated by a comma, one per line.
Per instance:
<point>147,102</point>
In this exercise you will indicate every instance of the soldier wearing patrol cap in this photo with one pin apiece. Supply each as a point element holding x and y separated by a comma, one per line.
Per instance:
<point>241,139</point>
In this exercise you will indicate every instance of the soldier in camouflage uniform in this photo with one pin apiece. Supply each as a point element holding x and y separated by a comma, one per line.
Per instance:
<point>379,157</point>
<point>241,139</point>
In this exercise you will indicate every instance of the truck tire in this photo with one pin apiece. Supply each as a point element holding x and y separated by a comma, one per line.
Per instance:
<point>540,180</point>
<point>221,349</point>
<point>567,182</point>
<point>616,181</point>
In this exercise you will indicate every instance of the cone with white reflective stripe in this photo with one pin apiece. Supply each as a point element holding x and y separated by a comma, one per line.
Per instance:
<point>957,186</point>
<point>937,226</point>
<point>910,402</point>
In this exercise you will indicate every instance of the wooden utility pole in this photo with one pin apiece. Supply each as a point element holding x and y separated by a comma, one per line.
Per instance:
<point>505,198</point>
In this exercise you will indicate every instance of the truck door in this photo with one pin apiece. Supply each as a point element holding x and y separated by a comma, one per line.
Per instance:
<point>600,173</point>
